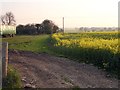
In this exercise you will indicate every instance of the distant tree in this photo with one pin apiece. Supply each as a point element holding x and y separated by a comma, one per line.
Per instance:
<point>33,29</point>
<point>20,29</point>
<point>49,27</point>
<point>8,19</point>
<point>39,28</point>
<point>37,25</point>
<point>20,26</point>
<point>55,28</point>
<point>45,26</point>
<point>28,29</point>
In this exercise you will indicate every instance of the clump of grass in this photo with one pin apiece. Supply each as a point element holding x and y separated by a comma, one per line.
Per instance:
<point>75,88</point>
<point>12,80</point>
<point>67,80</point>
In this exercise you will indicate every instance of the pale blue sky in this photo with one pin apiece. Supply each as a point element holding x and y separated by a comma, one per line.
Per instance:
<point>77,13</point>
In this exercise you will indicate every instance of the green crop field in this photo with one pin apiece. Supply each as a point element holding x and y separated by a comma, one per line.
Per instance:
<point>28,43</point>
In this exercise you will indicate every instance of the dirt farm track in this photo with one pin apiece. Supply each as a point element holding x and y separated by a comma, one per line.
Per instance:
<point>46,71</point>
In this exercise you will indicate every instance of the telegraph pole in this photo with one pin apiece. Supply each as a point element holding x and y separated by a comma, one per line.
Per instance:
<point>63,25</point>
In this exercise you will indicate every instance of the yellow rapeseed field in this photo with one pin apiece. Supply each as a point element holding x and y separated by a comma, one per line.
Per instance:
<point>88,41</point>
<point>100,48</point>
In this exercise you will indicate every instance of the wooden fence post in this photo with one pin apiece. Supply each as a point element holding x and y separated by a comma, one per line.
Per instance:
<point>0,63</point>
<point>4,59</point>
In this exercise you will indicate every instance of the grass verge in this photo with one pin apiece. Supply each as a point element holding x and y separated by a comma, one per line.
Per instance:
<point>12,80</point>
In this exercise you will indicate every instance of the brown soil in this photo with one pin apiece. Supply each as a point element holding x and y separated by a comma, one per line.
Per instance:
<point>47,71</point>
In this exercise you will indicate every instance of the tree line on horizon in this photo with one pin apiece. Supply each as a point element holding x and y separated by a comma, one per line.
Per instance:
<point>46,27</point>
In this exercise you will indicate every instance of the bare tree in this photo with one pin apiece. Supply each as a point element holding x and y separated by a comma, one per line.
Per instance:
<point>2,19</point>
<point>8,19</point>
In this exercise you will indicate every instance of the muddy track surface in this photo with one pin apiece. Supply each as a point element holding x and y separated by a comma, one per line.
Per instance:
<point>47,71</point>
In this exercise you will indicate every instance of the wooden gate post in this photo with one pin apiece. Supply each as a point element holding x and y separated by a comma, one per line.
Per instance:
<point>4,59</point>
<point>0,63</point>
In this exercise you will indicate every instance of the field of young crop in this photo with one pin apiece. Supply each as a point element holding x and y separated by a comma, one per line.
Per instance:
<point>99,48</point>
<point>34,43</point>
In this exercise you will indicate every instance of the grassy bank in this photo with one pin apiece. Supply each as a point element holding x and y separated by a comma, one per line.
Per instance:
<point>12,80</point>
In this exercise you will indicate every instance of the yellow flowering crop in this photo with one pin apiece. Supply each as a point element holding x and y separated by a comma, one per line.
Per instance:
<point>86,41</point>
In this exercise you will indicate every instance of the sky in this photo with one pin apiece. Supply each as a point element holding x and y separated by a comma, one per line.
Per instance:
<point>77,13</point>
